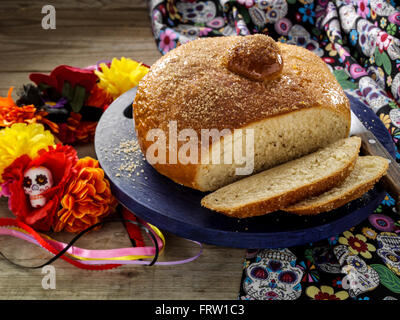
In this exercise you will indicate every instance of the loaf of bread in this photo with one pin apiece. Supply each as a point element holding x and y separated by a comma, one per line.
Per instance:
<point>288,183</point>
<point>367,171</point>
<point>285,93</point>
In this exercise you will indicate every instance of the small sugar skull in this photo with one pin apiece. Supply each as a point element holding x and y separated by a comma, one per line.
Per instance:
<point>274,276</point>
<point>36,181</point>
<point>197,12</point>
<point>394,115</point>
<point>382,8</point>
<point>360,277</point>
<point>389,250</point>
<point>348,17</point>
<point>187,33</point>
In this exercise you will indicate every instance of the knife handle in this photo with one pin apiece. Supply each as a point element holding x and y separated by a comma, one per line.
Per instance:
<point>391,181</point>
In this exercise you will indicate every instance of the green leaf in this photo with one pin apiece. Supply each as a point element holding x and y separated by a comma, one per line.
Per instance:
<point>43,87</point>
<point>387,64</point>
<point>393,105</point>
<point>67,91</point>
<point>308,255</point>
<point>378,57</point>
<point>245,14</point>
<point>391,29</point>
<point>79,97</point>
<point>316,31</point>
<point>340,75</point>
<point>348,84</point>
<point>387,277</point>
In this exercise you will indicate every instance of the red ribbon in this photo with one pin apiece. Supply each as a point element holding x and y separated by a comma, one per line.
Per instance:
<point>133,230</point>
<point>4,222</point>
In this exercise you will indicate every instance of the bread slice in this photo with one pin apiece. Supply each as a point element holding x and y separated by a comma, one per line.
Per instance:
<point>288,183</point>
<point>367,171</point>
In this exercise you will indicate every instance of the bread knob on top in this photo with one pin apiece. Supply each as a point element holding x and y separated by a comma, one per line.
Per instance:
<point>281,98</point>
<point>255,57</point>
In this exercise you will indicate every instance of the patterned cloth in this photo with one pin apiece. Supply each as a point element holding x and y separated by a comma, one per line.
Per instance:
<point>360,42</point>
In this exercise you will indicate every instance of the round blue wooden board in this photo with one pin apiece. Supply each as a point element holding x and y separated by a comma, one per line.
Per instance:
<point>175,208</point>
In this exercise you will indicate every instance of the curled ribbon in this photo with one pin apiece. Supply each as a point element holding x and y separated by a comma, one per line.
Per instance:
<point>93,259</point>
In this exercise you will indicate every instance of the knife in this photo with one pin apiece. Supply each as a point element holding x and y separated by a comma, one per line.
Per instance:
<point>370,145</point>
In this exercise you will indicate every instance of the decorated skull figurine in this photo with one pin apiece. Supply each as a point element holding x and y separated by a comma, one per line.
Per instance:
<point>360,277</point>
<point>389,250</point>
<point>36,181</point>
<point>274,276</point>
<point>197,12</point>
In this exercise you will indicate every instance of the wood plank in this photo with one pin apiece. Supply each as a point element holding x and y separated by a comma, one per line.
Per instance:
<point>215,275</point>
<point>73,4</point>
<point>82,38</point>
<point>99,30</point>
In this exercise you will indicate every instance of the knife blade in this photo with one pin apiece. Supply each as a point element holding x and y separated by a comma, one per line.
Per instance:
<point>370,145</point>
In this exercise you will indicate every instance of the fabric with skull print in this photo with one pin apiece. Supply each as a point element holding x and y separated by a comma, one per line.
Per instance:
<point>360,42</point>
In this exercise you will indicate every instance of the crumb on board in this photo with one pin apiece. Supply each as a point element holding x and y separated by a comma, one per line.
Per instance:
<point>129,156</point>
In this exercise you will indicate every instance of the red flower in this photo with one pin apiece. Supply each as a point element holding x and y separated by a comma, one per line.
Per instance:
<point>56,79</point>
<point>99,98</point>
<point>337,282</point>
<point>325,296</point>
<point>60,160</point>
<point>357,244</point>
<point>75,130</point>
<point>328,59</point>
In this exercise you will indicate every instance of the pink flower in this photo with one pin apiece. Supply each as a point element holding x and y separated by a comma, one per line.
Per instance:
<point>167,40</point>
<point>204,31</point>
<point>247,3</point>
<point>356,71</point>
<point>342,52</point>
<point>383,41</point>
<point>395,18</point>
<point>216,23</point>
<point>363,9</point>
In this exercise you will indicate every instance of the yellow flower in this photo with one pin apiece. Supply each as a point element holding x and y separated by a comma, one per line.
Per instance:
<point>357,244</point>
<point>20,139</point>
<point>373,15</point>
<point>369,233</point>
<point>172,10</point>
<point>121,76</point>
<point>385,119</point>
<point>332,50</point>
<point>325,293</point>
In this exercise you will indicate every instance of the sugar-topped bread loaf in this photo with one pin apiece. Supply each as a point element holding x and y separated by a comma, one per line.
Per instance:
<point>285,93</point>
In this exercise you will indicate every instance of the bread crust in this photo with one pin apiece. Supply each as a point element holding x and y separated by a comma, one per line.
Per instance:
<point>338,202</point>
<point>192,85</point>
<point>279,202</point>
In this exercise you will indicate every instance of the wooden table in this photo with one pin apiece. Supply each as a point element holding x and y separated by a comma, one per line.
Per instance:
<point>86,32</point>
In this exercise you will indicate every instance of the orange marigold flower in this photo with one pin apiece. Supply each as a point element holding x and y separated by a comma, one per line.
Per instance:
<point>7,101</point>
<point>40,116</point>
<point>83,131</point>
<point>87,198</point>
<point>10,113</point>
<point>99,98</point>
